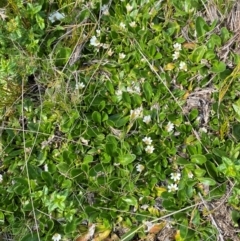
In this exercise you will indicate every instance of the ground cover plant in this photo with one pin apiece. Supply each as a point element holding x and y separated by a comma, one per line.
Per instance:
<point>119,120</point>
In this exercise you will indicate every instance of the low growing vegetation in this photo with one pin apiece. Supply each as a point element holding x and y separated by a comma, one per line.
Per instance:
<point>119,120</point>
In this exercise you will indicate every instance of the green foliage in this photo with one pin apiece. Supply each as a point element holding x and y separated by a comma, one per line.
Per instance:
<point>115,114</point>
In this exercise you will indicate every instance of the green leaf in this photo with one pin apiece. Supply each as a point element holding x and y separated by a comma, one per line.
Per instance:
<point>126,159</point>
<point>88,159</point>
<point>198,53</point>
<point>218,67</point>
<point>63,55</point>
<point>40,21</point>
<point>110,87</point>
<point>46,176</point>
<point>207,181</point>
<point>131,201</point>
<point>201,27</point>
<point>236,108</point>
<point>122,121</point>
<point>126,98</point>
<point>236,131</point>
<point>147,90</point>
<point>70,227</point>
<point>96,116</point>
<point>198,159</point>
<point>30,237</point>
<point>1,218</point>
<point>129,235</point>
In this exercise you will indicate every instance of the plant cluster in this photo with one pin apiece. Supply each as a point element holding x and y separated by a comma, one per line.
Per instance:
<point>119,120</point>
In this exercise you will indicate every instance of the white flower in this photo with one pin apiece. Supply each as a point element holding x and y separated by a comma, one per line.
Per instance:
<point>169,126</point>
<point>172,188</point>
<point>122,55</point>
<point>130,90</point>
<point>79,86</point>
<point>129,7</point>
<point>144,207</point>
<point>175,176</point>
<point>203,129</point>
<point>136,113</point>
<point>84,141</point>
<point>133,24</point>
<point>183,66</point>
<point>177,47</point>
<point>176,55</point>
<point>56,16</point>
<point>139,168</point>
<point>46,168</point>
<point>94,41</point>
<point>149,149</point>
<point>110,52</point>
<point>147,119</point>
<point>98,31</point>
<point>56,237</point>
<point>147,140</point>
<point>122,25</point>
<point>105,46</point>
<point>1,178</point>
<point>190,175</point>
<point>137,89</point>
<point>104,9</point>
<point>118,92</point>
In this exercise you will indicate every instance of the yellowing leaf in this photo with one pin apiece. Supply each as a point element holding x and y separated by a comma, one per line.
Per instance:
<point>189,45</point>
<point>178,236</point>
<point>160,190</point>
<point>156,228</point>
<point>101,236</point>
<point>169,66</point>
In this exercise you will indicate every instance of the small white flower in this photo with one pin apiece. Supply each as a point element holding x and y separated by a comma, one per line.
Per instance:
<point>118,92</point>
<point>203,129</point>
<point>133,24</point>
<point>175,176</point>
<point>122,25</point>
<point>172,188</point>
<point>144,206</point>
<point>84,141</point>
<point>134,114</point>
<point>130,90</point>
<point>190,175</point>
<point>104,9</point>
<point>105,46</point>
<point>46,168</point>
<point>147,140</point>
<point>110,52</point>
<point>177,47</point>
<point>147,119</point>
<point>122,55</point>
<point>169,126</point>
<point>183,66</point>
<point>139,168</point>
<point>94,41</point>
<point>1,178</point>
<point>56,16</point>
<point>137,89</point>
<point>176,55</point>
<point>98,31</point>
<point>56,237</point>
<point>149,149</point>
<point>79,86</point>
<point>129,7</point>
